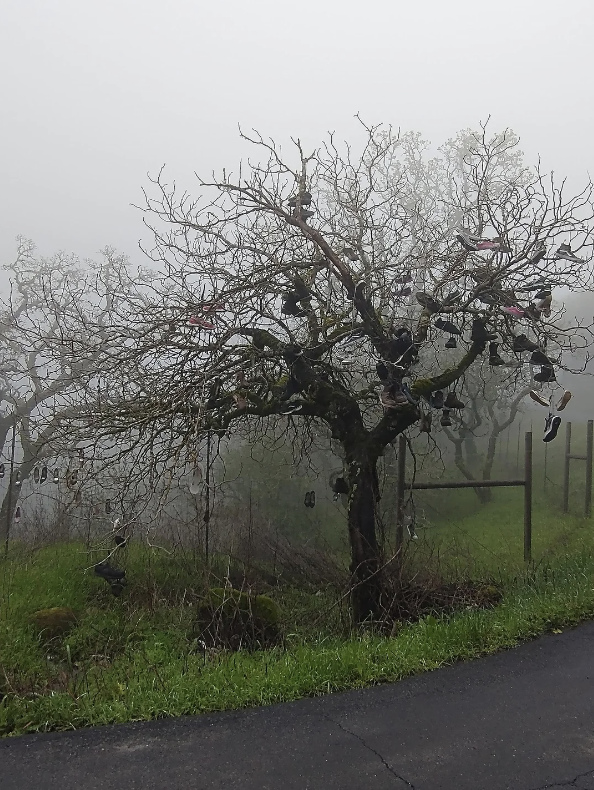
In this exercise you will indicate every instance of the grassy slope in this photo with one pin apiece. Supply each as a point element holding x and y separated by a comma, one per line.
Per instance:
<point>129,659</point>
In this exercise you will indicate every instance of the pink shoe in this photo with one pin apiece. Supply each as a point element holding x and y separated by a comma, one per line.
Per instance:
<point>515,311</point>
<point>212,307</point>
<point>202,322</point>
<point>487,245</point>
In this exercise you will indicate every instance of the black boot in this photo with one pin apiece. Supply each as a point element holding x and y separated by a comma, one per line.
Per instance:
<point>479,332</point>
<point>452,401</point>
<point>494,358</point>
<point>521,343</point>
<point>445,421</point>
<point>546,375</point>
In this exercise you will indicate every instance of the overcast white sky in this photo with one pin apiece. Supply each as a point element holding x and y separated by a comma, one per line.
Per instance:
<point>95,94</point>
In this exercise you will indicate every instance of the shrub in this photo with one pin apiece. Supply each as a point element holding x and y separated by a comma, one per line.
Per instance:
<point>53,623</point>
<point>234,620</point>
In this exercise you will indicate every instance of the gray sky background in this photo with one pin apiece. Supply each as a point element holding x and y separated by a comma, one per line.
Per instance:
<point>95,94</point>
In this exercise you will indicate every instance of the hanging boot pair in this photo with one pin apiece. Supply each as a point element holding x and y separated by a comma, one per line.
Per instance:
<point>494,358</point>
<point>310,499</point>
<point>451,329</point>
<point>480,334</point>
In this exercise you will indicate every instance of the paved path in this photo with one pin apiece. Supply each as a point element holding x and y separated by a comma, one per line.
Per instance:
<point>518,720</point>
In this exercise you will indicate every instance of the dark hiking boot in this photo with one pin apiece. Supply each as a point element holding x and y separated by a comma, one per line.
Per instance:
<point>479,332</point>
<point>428,302</point>
<point>546,375</point>
<point>447,326</point>
<point>290,306</point>
<point>551,428</point>
<point>538,358</point>
<point>303,214</point>
<point>445,421</point>
<point>382,372</point>
<point>532,312</point>
<point>107,572</point>
<point>452,401</point>
<point>521,343</point>
<point>339,486</point>
<point>351,254</point>
<point>494,358</point>
<point>451,343</point>
<point>305,199</point>
<point>436,399</point>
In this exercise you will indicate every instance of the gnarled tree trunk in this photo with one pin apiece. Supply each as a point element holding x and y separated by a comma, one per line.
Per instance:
<point>366,554</point>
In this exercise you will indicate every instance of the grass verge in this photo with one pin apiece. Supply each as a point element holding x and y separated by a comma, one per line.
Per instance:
<point>130,659</point>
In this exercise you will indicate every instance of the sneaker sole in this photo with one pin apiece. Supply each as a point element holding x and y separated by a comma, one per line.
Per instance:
<point>552,431</point>
<point>564,401</point>
<point>538,399</point>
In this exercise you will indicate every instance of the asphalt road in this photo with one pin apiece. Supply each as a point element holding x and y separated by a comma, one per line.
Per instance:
<point>518,720</point>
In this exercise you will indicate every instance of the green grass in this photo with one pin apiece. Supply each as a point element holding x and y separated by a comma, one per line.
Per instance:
<point>130,659</point>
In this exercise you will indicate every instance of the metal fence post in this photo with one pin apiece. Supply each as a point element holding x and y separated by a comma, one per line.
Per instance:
<point>528,496</point>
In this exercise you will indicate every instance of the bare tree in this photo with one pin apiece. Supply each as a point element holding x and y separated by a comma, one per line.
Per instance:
<point>491,408</point>
<point>291,292</point>
<point>43,385</point>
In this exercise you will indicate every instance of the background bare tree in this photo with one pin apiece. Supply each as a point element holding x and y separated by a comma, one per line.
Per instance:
<point>284,298</point>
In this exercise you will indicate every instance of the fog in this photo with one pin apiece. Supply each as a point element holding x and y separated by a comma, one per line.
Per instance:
<point>95,95</point>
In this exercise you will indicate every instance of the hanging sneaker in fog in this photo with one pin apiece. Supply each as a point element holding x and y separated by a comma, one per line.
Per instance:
<point>43,476</point>
<point>451,343</point>
<point>565,398</point>
<point>516,312</point>
<point>195,320</point>
<point>445,421</point>
<point>565,252</point>
<point>552,424</point>
<point>36,474</point>
<point>538,398</point>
